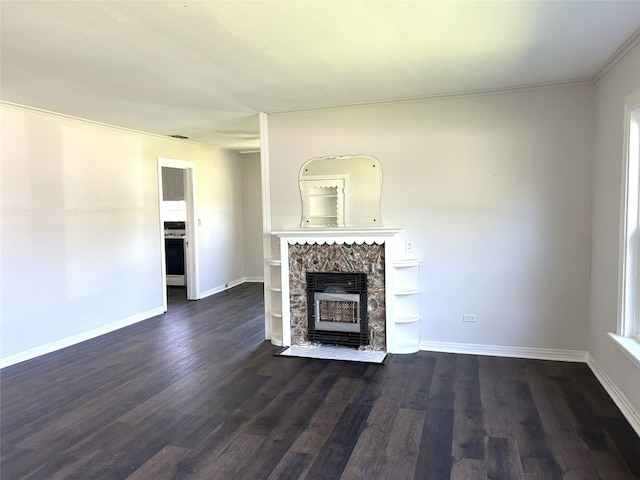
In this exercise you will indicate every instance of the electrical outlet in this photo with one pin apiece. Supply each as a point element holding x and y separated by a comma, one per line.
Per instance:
<point>408,246</point>
<point>199,222</point>
<point>469,317</point>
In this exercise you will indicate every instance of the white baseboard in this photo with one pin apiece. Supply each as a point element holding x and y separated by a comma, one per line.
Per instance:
<point>228,285</point>
<point>80,337</point>
<point>616,395</point>
<point>506,351</point>
<point>221,288</point>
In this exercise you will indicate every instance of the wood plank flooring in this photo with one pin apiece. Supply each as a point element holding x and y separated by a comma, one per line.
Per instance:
<point>196,393</point>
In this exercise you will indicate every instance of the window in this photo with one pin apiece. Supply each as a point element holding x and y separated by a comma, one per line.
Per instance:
<point>629,317</point>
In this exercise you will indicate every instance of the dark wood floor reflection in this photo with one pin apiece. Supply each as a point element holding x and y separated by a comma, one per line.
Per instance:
<point>197,394</point>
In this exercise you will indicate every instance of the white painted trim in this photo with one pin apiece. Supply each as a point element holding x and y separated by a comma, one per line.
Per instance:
<point>264,173</point>
<point>163,253</point>
<point>285,295</point>
<point>444,96</point>
<point>191,247</point>
<point>312,236</point>
<point>86,121</point>
<point>78,338</point>
<point>616,395</point>
<point>192,271</point>
<point>629,346</point>
<point>265,179</point>
<point>627,273</point>
<point>253,279</point>
<point>506,351</point>
<point>618,55</point>
<point>221,288</point>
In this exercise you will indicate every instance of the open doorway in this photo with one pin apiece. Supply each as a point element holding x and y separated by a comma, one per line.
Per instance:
<point>176,187</point>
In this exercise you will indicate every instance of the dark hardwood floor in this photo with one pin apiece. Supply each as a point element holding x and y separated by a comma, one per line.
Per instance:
<point>197,394</point>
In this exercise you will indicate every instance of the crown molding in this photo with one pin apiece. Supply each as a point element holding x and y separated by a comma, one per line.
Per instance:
<point>616,56</point>
<point>49,113</point>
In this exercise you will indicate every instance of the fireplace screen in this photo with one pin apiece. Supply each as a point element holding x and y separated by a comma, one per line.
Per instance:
<point>341,312</point>
<point>337,311</point>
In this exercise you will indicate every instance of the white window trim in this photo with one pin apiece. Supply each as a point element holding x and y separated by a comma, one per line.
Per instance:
<point>627,337</point>
<point>628,346</point>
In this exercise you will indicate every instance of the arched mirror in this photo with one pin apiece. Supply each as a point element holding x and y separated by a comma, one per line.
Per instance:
<point>341,191</point>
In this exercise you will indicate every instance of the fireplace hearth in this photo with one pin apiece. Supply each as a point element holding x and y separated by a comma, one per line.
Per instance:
<point>337,308</point>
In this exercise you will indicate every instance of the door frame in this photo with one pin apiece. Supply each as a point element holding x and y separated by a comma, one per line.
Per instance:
<point>191,245</point>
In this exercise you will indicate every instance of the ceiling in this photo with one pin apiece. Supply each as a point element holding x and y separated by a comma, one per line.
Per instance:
<point>204,69</point>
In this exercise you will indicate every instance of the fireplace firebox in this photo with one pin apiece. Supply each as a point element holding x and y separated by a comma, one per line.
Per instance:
<point>337,308</point>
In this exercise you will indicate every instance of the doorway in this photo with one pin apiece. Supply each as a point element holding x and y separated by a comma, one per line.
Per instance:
<point>179,191</point>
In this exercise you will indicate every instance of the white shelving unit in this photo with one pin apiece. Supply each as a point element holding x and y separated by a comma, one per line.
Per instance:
<point>273,292</point>
<point>406,304</point>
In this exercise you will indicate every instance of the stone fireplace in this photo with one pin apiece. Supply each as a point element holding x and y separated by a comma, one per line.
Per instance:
<point>309,258</point>
<point>391,323</point>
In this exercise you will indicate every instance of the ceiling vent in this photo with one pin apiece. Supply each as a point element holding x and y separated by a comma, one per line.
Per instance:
<point>181,137</point>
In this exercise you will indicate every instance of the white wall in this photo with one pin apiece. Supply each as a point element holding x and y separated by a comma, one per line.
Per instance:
<point>493,190</point>
<point>622,80</point>
<point>221,235</point>
<point>80,250</point>
<point>252,216</point>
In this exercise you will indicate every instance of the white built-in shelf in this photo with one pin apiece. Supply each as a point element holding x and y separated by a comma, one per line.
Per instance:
<point>407,319</point>
<point>406,262</point>
<point>273,318</point>
<point>406,291</point>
